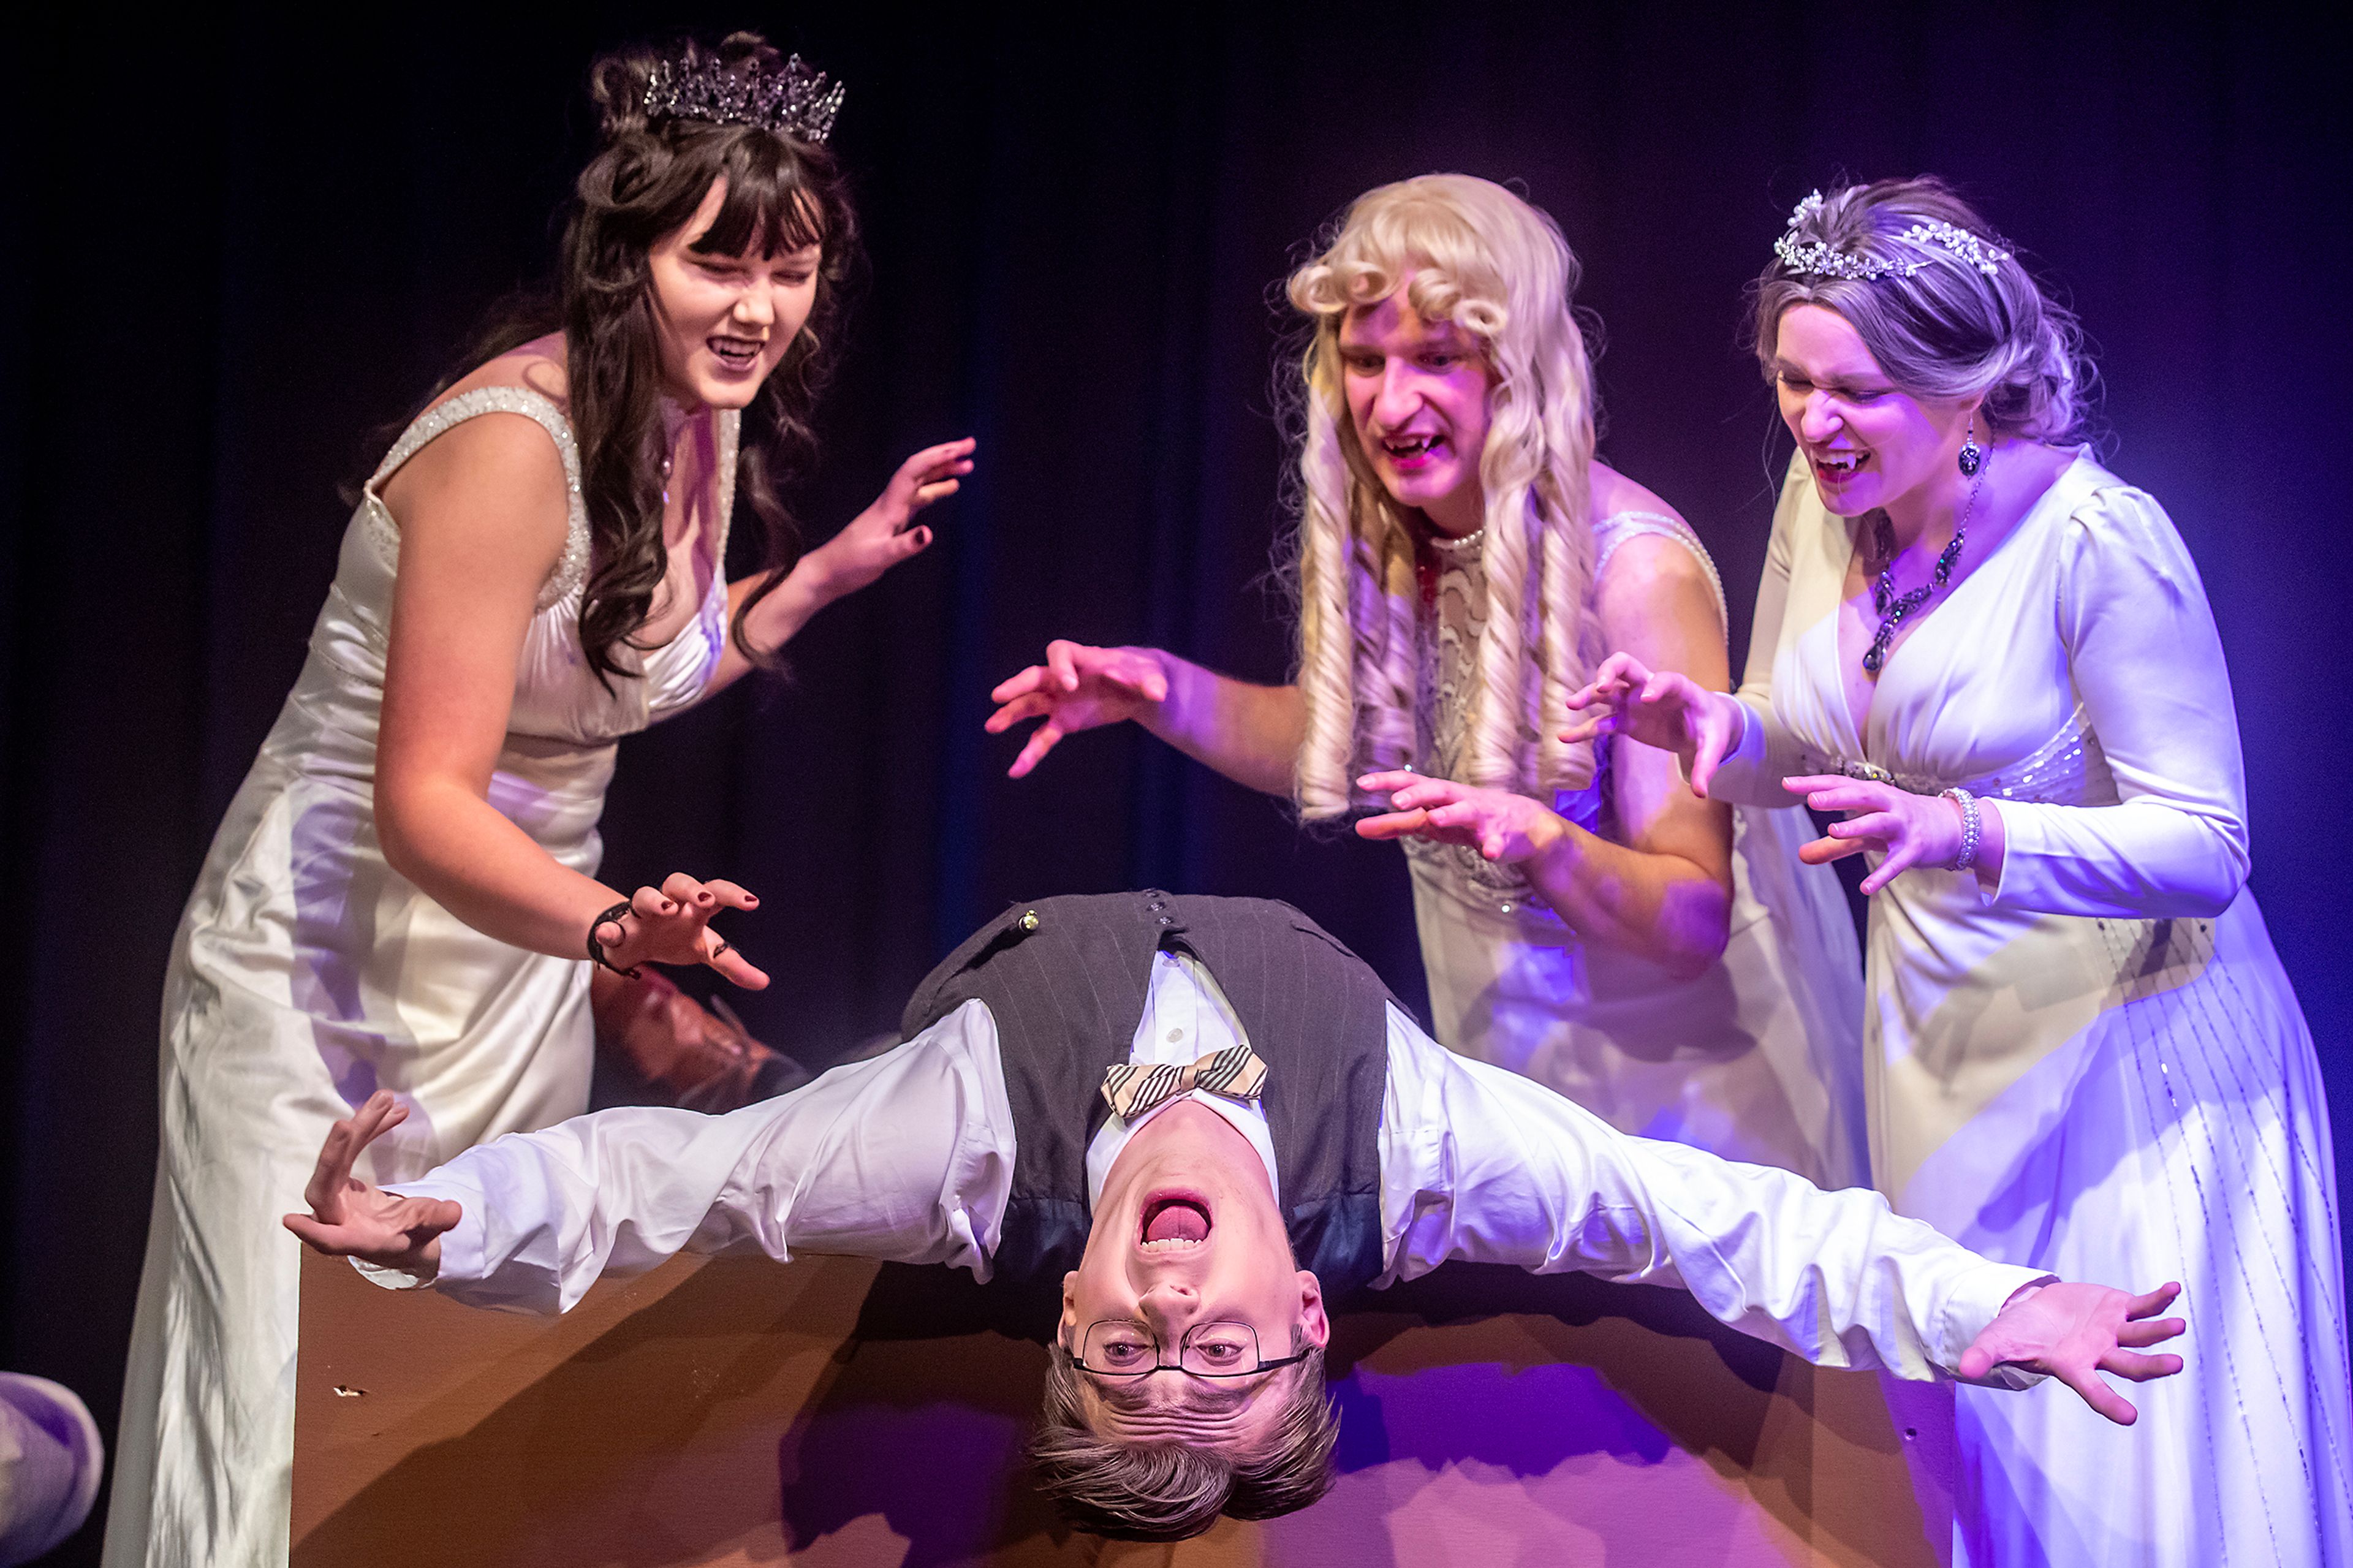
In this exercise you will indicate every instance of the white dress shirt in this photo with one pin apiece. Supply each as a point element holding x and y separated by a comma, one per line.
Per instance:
<point>909,1157</point>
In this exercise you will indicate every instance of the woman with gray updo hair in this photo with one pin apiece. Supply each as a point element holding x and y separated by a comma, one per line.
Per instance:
<point>1995,658</point>
<point>1952,331</point>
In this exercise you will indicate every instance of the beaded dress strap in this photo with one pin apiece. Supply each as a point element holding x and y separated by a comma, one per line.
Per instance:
<point>1621,526</point>
<point>571,568</point>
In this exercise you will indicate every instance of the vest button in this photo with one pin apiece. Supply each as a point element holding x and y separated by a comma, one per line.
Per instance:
<point>1029,920</point>
<point>1166,921</point>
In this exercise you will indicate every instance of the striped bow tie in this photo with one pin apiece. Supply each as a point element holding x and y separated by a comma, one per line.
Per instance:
<point>1236,1073</point>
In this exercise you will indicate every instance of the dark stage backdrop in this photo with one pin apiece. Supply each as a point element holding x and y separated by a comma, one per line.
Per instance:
<point>236,252</point>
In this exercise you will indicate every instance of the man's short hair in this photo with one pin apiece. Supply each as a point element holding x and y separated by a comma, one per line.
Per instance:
<point>1171,1490</point>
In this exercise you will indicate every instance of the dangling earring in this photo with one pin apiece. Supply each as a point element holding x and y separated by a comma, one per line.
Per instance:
<point>1972,455</point>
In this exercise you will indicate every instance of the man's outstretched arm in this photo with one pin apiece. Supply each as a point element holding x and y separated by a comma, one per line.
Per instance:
<point>1515,1173</point>
<point>907,1157</point>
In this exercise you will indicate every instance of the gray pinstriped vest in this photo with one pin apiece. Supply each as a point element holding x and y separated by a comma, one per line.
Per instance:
<point>1066,979</point>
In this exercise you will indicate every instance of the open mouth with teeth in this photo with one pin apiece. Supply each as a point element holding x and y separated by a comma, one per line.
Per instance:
<point>1173,1222</point>
<point>1412,451</point>
<point>1841,464</point>
<point>735,353</point>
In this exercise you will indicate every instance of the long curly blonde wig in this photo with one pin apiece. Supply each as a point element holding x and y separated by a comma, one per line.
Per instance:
<point>1468,251</point>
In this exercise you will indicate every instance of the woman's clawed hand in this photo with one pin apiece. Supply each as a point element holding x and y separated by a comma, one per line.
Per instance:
<point>886,533</point>
<point>1909,829</point>
<point>1078,687</point>
<point>1506,829</point>
<point>350,1218</point>
<point>1670,711</point>
<point>672,924</point>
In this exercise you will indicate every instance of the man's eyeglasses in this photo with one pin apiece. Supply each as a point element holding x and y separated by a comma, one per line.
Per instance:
<point>1117,1352</point>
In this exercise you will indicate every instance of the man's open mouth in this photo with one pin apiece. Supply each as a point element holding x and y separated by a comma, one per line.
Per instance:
<point>1173,1223</point>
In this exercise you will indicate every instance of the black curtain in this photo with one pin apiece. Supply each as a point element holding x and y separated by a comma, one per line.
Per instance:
<point>237,250</point>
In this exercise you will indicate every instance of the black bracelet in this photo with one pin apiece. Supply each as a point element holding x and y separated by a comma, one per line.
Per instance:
<point>596,949</point>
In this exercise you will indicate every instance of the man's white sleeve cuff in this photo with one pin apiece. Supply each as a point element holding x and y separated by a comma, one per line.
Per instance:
<point>391,1279</point>
<point>1972,1305</point>
<point>461,1246</point>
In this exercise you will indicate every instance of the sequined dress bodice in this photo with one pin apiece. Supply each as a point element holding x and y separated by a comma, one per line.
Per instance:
<point>556,696</point>
<point>1452,618</point>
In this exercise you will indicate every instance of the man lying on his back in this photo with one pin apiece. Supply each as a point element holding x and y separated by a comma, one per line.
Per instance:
<point>1203,1116</point>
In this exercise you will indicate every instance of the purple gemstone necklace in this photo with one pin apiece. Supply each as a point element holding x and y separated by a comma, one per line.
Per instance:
<point>1896,608</point>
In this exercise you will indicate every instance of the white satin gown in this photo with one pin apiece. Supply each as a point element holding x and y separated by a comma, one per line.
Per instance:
<point>307,973</point>
<point>2098,1069</point>
<point>1757,1059</point>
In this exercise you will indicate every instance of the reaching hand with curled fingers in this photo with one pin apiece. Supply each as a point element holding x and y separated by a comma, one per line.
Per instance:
<point>1910,830</point>
<point>886,533</point>
<point>2076,1332</point>
<point>1078,687</point>
<point>1506,829</point>
<point>672,924</point>
<point>1662,709</point>
<point>352,1218</point>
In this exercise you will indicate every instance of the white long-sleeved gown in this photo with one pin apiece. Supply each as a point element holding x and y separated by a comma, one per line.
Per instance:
<point>2098,1068</point>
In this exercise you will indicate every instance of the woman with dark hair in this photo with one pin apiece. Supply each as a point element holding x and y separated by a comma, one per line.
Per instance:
<point>1995,658</point>
<point>403,895</point>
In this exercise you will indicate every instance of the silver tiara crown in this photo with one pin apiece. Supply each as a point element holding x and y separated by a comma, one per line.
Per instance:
<point>1816,260</point>
<point>794,101</point>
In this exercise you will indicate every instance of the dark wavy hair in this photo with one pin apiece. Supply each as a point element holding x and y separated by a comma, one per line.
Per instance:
<point>646,181</point>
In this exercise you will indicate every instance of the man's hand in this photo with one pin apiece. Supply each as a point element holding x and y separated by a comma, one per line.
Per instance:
<point>349,1218</point>
<point>2075,1332</point>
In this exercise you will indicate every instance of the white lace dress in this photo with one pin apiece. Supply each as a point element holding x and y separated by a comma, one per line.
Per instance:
<point>2099,1069</point>
<point>1757,1058</point>
<point>307,973</point>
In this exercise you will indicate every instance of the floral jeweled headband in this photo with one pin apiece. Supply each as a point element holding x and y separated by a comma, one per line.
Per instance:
<point>1816,260</point>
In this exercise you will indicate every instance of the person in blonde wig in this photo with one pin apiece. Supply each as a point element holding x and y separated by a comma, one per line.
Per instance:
<point>1460,559</point>
<point>1478,257</point>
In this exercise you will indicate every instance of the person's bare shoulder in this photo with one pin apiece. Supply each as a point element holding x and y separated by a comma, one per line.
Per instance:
<point>1654,587</point>
<point>1651,578</point>
<point>1613,492</point>
<point>498,475</point>
<point>535,366</point>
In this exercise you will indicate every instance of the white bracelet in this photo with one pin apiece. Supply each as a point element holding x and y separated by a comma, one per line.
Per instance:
<point>1967,857</point>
